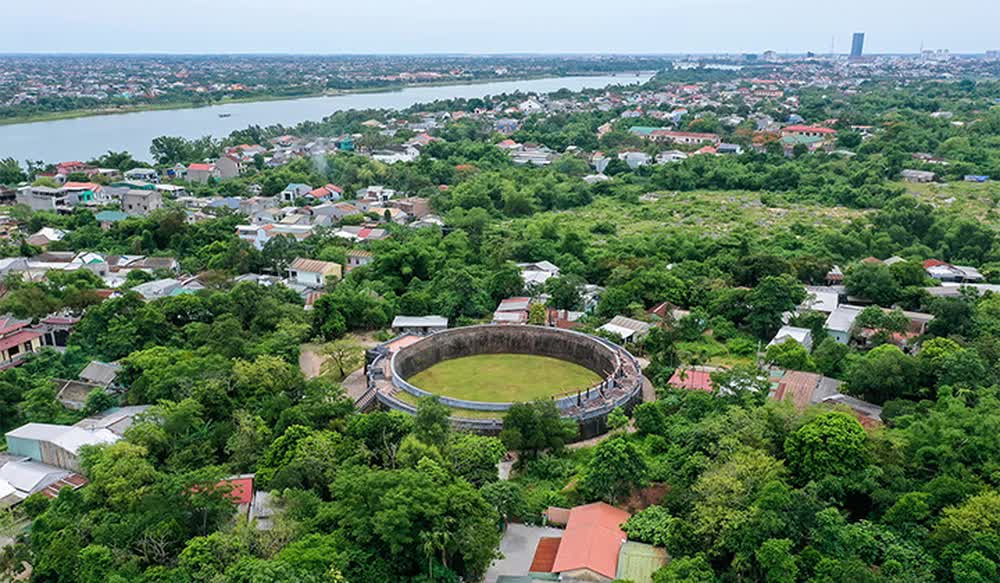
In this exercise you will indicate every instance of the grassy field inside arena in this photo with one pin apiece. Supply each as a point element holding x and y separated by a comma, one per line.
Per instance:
<point>504,378</point>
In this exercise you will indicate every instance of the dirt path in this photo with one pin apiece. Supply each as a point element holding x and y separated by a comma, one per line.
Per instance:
<point>310,362</point>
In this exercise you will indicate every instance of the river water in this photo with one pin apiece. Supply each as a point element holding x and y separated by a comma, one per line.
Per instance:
<point>88,137</point>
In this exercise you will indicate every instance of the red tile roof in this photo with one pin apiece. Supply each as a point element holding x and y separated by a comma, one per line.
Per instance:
<point>545,555</point>
<point>18,338</point>
<point>82,185</point>
<point>592,540</point>
<point>242,489</point>
<point>201,167</point>
<point>809,129</point>
<point>693,380</point>
<point>933,263</point>
<point>9,324</point>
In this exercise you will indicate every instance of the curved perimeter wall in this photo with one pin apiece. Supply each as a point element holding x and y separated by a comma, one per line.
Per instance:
<point>581,349</point>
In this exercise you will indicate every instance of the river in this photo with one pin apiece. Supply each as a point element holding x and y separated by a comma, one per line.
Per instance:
<point>85,138</point>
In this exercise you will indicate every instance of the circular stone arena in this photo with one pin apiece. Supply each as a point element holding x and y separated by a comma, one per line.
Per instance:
<point>480,371</point>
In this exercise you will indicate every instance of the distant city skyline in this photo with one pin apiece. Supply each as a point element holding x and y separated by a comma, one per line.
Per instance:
<point>516,26</point>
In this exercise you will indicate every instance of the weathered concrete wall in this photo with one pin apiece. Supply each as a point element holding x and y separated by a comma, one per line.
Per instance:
<point>492,339</point>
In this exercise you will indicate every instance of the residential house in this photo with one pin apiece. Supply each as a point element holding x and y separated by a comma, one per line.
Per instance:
<point>159,288</point>
<point>117,420</point>
<point>599,161</point>
<point>628,329</point>
<point>946,272</point>
<point>393,154</point>
<point>427,221</point>
<point>141,202</point>
<point>86,192</point>
<point>534,155</point>
<point>45,198</point>
<point>45,236</point>
<point>361,234</point>
<point>358,258</point>
<point>374,195</point>
<point>590,548</point>
<point>107,219</point>
<point>96,375</point>
<point>340,210</point>
<point>227,166</point>
<point>313,273</point>
<point>530,106</point>
<point>413,206</point>
<point>142,175</point>
<point>512,311</point>
<point>809,131</point>
<point>259,235</point>
<point>293,191</point>
<point>202,172</point>
<point>670,156</point>
<point>21,477</point>
<point>537,273</point>
<point>506,126</point>
<point>327,193</point>
<point>17,339</point>
<point>909,175</point>
<point>840,322</point>
<point>635,159</point>
<point>686,138</point>
<point>801,335</point>
<point>55,445</point>
<point>804,389</point>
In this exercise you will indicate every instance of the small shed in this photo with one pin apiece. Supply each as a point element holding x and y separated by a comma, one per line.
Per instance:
<point>422,325</point>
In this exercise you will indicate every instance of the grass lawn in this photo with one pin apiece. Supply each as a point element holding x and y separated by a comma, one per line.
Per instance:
<point>455,411</point>
<point>504,378</point>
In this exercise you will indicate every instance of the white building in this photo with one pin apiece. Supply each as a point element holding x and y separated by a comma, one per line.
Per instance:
<point>312,272</point>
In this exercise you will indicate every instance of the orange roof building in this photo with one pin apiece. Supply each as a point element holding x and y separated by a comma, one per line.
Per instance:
<point>589,549</point>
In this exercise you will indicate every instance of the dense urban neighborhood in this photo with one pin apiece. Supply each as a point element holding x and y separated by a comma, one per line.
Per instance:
<point>736,323</point>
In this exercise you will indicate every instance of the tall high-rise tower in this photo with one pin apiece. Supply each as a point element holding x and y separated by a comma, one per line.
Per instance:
<point>858,44</point>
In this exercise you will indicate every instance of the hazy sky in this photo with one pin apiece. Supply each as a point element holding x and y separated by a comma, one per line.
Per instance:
<point>478,26</point>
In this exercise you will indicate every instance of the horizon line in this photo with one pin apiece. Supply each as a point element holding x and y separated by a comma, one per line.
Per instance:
<point>471,54</point>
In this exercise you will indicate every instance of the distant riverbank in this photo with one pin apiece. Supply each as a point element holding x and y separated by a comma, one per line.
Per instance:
<point>138,108</point>
<point>84,137</point>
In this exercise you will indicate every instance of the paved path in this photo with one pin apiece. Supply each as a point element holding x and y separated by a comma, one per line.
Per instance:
<point>354,384</point>
<point>518,548</point>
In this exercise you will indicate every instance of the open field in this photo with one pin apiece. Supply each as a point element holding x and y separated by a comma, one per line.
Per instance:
<point>967,199</point>
<point>504,377</point>
<point>705,212</point>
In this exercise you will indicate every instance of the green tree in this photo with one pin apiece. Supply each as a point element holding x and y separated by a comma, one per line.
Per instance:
<point>530,428</point>
<point>685,570</point>
<point>831,444</point>
<point>475,457</point>
<point>771,298</point>
<point>615,467</point>
<point>777,561</point>
<point>791,355</point>
<point>874,281</point>
<point>564,292</point>
<point>537,314</point>
<point>11,172</point>
<point>432,422</point>
<point>884,373</point>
